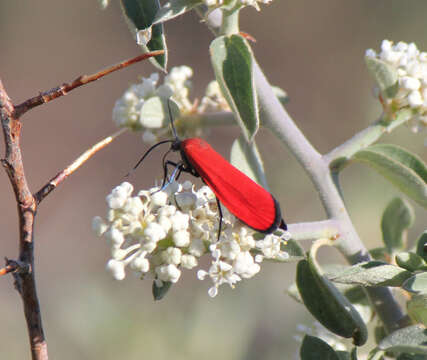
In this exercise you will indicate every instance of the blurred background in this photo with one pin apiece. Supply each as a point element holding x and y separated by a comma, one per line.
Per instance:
<point>313,50</point>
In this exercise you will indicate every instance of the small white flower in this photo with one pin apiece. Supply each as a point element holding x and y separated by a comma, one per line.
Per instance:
<point>186,200</point>
<point>133,205</point>
<point>172,255</point>
<point>150,235</point>
<point>180,221</point>
<point>415,99</point>
<point>115,236</point>
<point>181,238</point>
<point>410,83</point>
<point>165,223</point>
<point>245,266</point>
<point>117,269</point>
<point>168,273</point>
<point>99,226</point>
<point>197,247</point>
<point>371,53</point>
<point>140,263</point>
<point>149,138</point>
<point>188,261</point>
<point>159,198</point>
<point>411,68</point>
<point>154,232</point>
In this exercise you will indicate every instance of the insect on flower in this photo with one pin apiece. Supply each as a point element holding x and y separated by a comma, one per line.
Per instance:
<point>242,196</point>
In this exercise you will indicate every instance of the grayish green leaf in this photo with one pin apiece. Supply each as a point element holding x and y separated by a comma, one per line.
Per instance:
<point>247,159</point>
<point>175,8</point>
<point>384,74</point>
<point>328,305</point>
<point>416,283</point>
<point>343,355</point>
<point>422,245</point>
<point>402,168</point>
<point>379,253</point>
<point>313,348</point>
<point>407,356</point>
<point>376,354</point>
<point>140,15</point>
<point>294,250</point>
<point>232,60</point>
<point>412,340</point>
<point>160,291</point>
<point>398,216</point>
<point>155,112</point>
<point>417,308</point>
<point>372,273</point>
<point>410,261</point>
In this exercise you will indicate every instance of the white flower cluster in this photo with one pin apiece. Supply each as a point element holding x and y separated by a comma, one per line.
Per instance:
<point>159,233</point>
<point>127,109</point>
<point>411,67</point>
<point>213,99</point>
<point>254,3</point>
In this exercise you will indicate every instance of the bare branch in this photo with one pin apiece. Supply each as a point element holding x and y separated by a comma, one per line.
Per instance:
<point>24,280</point>
<point>61,176</point>
<point>64,89</point>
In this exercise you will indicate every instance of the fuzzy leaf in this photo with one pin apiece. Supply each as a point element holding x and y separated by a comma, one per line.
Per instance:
<point>372,273</point>
<point>384,74</point>
<point>294,249</point>
<point>410,261</point>
<point>416,283</point>
<point>376,354</point>
<point>247,159</point>
<point>232,60</point>
<point>412,340</point>
<point>140,15</point>
<point>155,112</point>
<point>380,254</point>
<point>160,291</point>
<point>313,348</point>
<point>328,305</point>
<point>422,245</point>
<point>417,308</point>
<point>402,168</point>
<point>398,216</point>
<point>175,8</point>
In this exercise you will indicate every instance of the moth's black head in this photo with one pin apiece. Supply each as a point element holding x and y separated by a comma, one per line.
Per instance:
<point>176,145</point>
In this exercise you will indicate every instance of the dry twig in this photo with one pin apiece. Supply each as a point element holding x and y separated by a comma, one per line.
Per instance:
<point>27,202</point>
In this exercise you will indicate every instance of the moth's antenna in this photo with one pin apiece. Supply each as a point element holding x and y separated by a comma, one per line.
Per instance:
<point>171,119</point>
<point>146,153</point>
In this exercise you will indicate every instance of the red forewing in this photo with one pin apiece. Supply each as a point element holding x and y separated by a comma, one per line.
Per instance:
<point>243,197</point>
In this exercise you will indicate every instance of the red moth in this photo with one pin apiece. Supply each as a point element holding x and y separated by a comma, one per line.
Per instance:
<point>243,197</point>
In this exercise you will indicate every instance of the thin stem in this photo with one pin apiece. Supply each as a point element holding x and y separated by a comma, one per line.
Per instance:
<point>62,175</point>
<point>24,280</point>
<point>317,168</point>
<point>327,229</point>
<point>80,81</point>
<point>366,137</point>
<point>274,116</point>
<point>230,21</point>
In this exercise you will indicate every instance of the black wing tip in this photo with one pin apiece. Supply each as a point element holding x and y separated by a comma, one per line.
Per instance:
<point>278,222</point>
